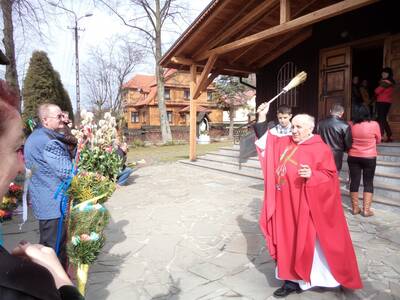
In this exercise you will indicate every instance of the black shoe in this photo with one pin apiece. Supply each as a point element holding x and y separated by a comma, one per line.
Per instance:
<point>286,290</point>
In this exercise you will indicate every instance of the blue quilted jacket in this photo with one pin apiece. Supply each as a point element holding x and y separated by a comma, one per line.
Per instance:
<point>50,163</point>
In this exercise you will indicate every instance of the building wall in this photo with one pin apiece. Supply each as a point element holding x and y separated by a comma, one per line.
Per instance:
<point>177,84</point>
<point>368,21</point>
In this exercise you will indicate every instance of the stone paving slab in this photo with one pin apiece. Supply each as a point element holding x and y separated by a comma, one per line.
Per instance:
<point>181,232</point>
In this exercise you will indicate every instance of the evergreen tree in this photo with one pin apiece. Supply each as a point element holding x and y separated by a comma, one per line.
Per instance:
<point>42,84</point>
<point>64,101</point>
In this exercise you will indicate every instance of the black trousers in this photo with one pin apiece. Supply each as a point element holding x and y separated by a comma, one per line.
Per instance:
<point>48,237</point>
<point>382,110</point>
<point>367,167</point>
<point>338,156</point>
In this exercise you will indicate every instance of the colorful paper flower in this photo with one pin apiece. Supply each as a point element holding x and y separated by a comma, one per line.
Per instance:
<point>85,237</point>
<point>94,236</point>
<point>75,240</point>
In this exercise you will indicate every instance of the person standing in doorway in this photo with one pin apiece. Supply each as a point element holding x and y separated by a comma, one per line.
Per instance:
<point>356,99</point>
<point>384,93</point>
<point>336,133</point>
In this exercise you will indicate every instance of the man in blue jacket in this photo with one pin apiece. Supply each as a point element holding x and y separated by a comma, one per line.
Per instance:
<point>49,160</point>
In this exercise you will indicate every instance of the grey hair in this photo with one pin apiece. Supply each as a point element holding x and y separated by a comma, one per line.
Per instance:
<point>309,120</point>
<point>43,110</point>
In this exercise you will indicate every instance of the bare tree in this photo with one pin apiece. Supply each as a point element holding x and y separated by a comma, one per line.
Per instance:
<point>150,18</point>
<point>30,15</point>
<point>107,68</point>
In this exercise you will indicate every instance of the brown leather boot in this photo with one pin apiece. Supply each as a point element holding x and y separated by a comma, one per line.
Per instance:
<point>355,209</point>
<point>367,205</point>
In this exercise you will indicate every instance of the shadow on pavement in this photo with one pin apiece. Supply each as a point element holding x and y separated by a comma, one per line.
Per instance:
<point>107,266</point>
<point>256,250</point>
<point>173,291</point>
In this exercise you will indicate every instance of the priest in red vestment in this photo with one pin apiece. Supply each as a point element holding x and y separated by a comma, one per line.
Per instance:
<point>302,217</point>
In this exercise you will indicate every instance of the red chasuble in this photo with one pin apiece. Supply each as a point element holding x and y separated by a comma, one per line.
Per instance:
<point>296,211</point>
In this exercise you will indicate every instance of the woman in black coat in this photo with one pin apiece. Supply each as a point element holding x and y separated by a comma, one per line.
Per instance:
<point>31,272</point>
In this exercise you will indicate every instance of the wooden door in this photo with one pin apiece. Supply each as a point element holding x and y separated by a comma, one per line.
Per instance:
<point>334,80</point>
<point>391,59</point>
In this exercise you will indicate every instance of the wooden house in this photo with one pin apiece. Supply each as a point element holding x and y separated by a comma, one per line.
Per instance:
<point>141,106</point>
<point>331,40</point>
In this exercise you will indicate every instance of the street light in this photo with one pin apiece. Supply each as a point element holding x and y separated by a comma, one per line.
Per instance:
<point>75,28</point>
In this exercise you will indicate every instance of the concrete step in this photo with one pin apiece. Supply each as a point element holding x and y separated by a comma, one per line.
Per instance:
<point>389,148</point>
<point>228,152</point>
<point>382,167</point>
<point>383,190</point>
<point>227,168</point>
<point>386,181</point>
<point>383,193</point>
<point>234,159</point>
<point>233,147</point>
<point>242,167</point>
<point>383,202</point>
<point>379,178</point>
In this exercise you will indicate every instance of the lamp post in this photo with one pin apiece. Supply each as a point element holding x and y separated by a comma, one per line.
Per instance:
<point>77,86</point>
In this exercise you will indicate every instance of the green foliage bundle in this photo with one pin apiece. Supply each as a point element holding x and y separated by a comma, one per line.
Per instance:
<point>88,185</point>
<point>86,233</point>
<point>107,163</point>
<point>42,84</point>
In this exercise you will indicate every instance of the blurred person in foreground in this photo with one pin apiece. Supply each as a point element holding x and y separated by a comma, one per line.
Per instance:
<point>32,271</point>
<point>302,216</point>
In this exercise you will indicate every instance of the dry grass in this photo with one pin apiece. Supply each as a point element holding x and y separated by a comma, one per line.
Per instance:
<point>170,153</point>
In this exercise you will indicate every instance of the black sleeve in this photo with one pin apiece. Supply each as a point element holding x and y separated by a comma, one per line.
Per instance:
<point>348,139</point>
<point>69,292</point>
<point>260,128</point>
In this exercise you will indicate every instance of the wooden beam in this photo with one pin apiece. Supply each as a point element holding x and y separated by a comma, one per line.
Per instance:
<point>301,22</point>
<point>233,28</point>
<point>216,14</point>
<point>211,78</point>
<point>278,45</point>
<point>204,75</point>
<point>251,48</point>
<point>193,114</point>
<point>182,61</point>
<point>284,47</point>
<point>285,11</point>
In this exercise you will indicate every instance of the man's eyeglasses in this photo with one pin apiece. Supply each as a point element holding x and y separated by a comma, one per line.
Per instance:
<point>60,116</point>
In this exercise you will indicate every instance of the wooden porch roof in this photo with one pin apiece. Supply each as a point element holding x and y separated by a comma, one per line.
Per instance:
<point>238,37</point>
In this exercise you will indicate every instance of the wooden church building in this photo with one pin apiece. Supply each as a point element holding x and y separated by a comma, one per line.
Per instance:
<point>332,41</point>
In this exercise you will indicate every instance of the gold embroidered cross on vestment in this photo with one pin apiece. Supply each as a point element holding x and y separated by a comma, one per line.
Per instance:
<point>283,160</point>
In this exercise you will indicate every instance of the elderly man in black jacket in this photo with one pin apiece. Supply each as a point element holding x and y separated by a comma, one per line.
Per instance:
<point>336,133</point>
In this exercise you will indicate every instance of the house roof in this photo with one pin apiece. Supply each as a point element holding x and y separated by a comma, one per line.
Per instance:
<point>148,86</point>
<point>246,35</point>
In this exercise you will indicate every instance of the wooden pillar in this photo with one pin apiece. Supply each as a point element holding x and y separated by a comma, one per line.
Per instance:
<point>285,11</point>
<point>193,114</point>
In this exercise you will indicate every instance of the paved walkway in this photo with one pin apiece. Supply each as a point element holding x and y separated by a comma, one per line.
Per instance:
<point>180,232</point>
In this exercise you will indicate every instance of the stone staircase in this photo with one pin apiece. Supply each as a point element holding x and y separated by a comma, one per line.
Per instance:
<point>386,181</point>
